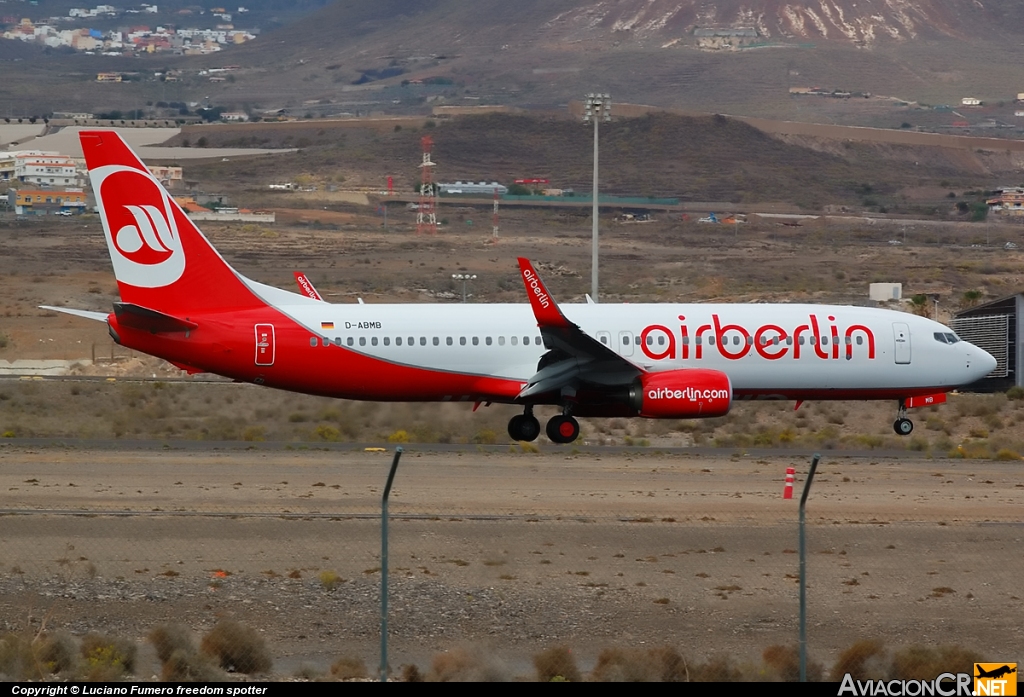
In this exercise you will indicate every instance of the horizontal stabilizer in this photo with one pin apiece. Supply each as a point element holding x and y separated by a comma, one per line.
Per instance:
<point>138,317</point>
<point>88,314</point>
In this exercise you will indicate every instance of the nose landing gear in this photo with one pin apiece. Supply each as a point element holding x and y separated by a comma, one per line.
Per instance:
<point>902,425</point>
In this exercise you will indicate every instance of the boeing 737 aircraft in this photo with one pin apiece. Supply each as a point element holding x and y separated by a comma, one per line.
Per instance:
<point>181,301</point>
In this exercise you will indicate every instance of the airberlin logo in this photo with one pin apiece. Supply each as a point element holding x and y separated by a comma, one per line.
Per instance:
<point>138,219</point>
<point>691,394</point>
<point>535,287</point>
<point>822,338</point>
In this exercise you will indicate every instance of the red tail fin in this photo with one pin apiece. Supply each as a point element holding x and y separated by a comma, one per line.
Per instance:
<point>161,259</point>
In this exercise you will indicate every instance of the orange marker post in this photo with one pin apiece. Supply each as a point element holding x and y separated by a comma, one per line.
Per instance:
<point>787,493</point>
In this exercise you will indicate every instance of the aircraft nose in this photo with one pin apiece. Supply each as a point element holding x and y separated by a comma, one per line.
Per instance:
<point>981,362</point>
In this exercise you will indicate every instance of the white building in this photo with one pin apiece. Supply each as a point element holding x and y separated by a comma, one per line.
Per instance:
<point>48,170</point>
<point>970,101</point>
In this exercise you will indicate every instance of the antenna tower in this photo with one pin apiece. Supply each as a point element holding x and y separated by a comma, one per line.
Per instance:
<point>426,219</point>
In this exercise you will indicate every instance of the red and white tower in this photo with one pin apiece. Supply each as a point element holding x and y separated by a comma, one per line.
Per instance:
<point>426,218</point>
<point>494,218</point>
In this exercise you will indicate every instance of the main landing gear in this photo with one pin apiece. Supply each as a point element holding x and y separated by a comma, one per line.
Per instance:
<point>524,426</point>
<point>902,425</point>
<point>562,428</point>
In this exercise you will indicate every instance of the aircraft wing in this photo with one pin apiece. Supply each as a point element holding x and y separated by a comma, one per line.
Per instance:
<point>574,359</point>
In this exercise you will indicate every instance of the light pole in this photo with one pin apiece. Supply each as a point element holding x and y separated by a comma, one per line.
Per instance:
<point>464,277</point>
<point>597,108</point>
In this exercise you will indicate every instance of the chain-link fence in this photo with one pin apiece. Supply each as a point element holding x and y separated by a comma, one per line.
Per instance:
<point>185,562</point>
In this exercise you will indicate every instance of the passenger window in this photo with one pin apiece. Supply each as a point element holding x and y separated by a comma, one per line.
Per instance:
<point>488,341</point>
<point>476,341</point>
<point>312,341</point>
<point>412,341</point>
<point>362,341</point>
<point>849,340</point>
<point>437,341</point>
<point>735,341</point>
<point>462,341</point>
<point>337,341</point>
<point>789,341</point>
<point>536,340</point>
<point>750,341</point>
<point>650,340</point>
<point>824,341</point>
<point>515,340</point>
<point>698,340</point>
<point>398,341</point>
<point>801,341</point>
<point>350,341</point>
<point>526,341</point>
<point>325,341</point>
<point>501,341</point>
<point>373,340</point>
<point>860,340</point>
<point>387,341</point>
<point>661,341</point>
<point>711,340</point>
<point>686,340</point>
<point>449,341</point>
<point>604,340</point>
<point>423,341</point>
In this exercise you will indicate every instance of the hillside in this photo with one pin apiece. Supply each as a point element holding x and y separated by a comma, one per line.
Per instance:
<point>694,158</point>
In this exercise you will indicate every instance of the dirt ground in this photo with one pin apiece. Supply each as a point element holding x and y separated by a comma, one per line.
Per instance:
<point>511,553</point>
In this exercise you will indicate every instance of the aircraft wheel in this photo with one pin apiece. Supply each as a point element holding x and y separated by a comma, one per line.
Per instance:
<point>903,427</point>
<point>524,427</point>
<point>563,429</point>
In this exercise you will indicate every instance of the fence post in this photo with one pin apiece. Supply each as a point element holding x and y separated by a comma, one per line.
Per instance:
<point>803,571</point>
<point>384,568</point>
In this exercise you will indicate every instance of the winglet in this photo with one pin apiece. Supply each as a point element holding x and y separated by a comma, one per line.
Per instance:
<point>305,286</point>
<point>544,307</point>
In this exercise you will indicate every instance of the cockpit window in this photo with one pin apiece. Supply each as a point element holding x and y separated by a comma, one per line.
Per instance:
<point>946,337</point>
<point>952,338</point>
<point>940,337</point>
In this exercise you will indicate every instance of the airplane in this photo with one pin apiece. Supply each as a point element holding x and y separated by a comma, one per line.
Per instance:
<point>182,302</point>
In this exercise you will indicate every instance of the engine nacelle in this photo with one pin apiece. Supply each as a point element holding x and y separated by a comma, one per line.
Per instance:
<point>690,393</point>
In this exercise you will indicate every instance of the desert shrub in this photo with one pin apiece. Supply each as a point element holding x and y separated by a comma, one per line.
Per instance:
<point>485,436</point>
<point>398,437</point>
<point>925,662</point>
<point>1015,393</point>
<point>410,673</point>
<point>1007,454</point>
<point>22,658</point>
<point>327,433</point>
<point>460,665</point>
<point>556,662</point>
<point>864,660</point>
<point>783,663</point>
<point>346,668</point>
<point>330,580</point>
<point>237,648</point>
<point>107,658</point>
<point>718,669</point>
<point>179,659</point>
<point>626,665</point>
<point>254,433</point>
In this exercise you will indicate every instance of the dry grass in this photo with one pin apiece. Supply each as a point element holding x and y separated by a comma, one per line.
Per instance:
<point>107,658</point>
<point>467,665</point>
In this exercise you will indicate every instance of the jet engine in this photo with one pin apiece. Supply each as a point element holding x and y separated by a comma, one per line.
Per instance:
<point>690,393</point>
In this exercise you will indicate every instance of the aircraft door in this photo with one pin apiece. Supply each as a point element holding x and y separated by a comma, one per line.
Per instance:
<point>265,345</point>
<point>901,333</point>
<point>626,343</point>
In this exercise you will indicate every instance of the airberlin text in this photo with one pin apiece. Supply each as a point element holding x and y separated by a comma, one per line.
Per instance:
<point>945,685</point>
<point>534,286</point>
<point>824,340</point>
<point>690,393</point>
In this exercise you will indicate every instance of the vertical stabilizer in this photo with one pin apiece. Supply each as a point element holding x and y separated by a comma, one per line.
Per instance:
<point>161,259</point>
